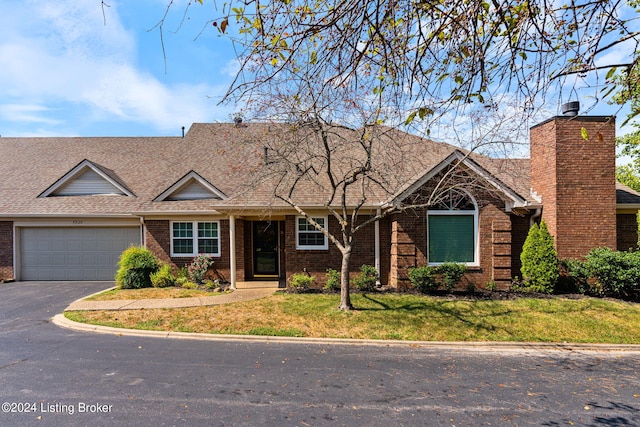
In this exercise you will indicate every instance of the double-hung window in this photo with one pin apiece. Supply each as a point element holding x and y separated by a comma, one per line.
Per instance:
<point>453,229</point>
<point>193,238</point>
<point>309,237</point>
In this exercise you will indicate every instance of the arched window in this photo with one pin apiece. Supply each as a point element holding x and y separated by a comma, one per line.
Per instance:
<point>452,227</point>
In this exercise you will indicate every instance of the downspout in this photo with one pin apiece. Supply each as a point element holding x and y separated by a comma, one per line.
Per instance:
<point>376,246</point>
<point>535,216</point>
<point>232,249</point>
<point>143,233</point>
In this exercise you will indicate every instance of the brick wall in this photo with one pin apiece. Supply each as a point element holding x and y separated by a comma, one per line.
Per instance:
<point>316,262</point>
<point>576,180</point>
<point>409,245</point>
<point>6,250</point>
<point>158,240</point>
<point>627,232</point>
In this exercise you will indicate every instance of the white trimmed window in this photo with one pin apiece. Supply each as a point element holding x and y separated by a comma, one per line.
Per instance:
<point>308,237</point>
<point>452,227</point>
<point>193,238</point>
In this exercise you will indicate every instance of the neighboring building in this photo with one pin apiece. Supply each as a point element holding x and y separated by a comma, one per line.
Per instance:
<point>70,206</point>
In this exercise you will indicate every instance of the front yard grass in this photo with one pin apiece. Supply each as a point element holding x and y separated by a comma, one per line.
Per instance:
<point>396,317</point>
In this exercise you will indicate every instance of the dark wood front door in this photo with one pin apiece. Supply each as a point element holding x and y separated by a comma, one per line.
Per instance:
<point>265,248</point>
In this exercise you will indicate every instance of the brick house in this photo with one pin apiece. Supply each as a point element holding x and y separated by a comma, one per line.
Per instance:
<point>69,206</point>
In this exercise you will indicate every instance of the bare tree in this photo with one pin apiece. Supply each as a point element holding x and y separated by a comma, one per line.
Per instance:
<point>362,172</point>
<point>442,54</point>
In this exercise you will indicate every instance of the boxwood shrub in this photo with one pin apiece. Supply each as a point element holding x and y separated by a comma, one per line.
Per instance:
<point>616,274</point>
<point>135,268</point>
<point>423,279</point>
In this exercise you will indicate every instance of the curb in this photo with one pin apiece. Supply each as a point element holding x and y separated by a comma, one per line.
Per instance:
<point>61,321</point>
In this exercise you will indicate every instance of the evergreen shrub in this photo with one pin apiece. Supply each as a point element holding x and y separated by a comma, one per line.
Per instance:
<point>301,282</point>
<point>539,258</point>
<point>333,280</point>
<point>367,278</point>
<point>163,278</point>
<point>450,274</point>
<point>136,265</point>
<point>616,274</point>
<point>423,279</point>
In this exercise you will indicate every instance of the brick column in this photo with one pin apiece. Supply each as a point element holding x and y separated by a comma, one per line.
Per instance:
<point>501,252</point>
<point>408,247</point>
<point>6,250</point>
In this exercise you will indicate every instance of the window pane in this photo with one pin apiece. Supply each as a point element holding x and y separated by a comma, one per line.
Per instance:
<point>304,225</point>
<point>182,246</point>
<point>207,229</point>
<point>207,246</point>
<point>451,238</point>
<point>182,229</point>
<point>311,239</point>
<point>308,235</point>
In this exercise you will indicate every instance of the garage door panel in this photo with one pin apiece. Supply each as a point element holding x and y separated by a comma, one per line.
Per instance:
<point>58,253</point>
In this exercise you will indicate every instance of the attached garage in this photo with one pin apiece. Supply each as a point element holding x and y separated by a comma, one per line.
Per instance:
<point>73,253</point>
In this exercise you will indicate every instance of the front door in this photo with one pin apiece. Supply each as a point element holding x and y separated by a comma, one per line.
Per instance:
<point>265,248</point>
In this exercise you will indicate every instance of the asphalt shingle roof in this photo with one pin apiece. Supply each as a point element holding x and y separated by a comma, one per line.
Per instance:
<point>229,157</point>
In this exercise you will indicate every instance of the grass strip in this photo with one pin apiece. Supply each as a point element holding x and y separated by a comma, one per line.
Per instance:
<point>397,317</point>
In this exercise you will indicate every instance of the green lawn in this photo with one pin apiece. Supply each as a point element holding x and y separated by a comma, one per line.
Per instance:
<point>398,317</point>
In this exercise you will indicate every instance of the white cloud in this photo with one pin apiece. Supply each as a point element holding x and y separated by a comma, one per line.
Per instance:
<point>25,113</point>
<point>62,64</point>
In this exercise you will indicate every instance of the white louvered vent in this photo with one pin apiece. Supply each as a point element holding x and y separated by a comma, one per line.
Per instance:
<point>191,187</point>
<point>193,190</point>
<point>88,182</point>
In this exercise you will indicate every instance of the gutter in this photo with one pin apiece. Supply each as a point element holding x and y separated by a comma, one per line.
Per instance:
<point>66,215</point>
<point>628,206</point>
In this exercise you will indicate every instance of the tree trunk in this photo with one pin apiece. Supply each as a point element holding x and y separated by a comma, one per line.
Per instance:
<point>345,298</point>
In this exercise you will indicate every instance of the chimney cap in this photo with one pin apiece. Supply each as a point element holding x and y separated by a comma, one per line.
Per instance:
<point>571,109</point>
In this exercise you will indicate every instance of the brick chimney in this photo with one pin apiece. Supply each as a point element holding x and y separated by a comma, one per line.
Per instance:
<point>576,180</point>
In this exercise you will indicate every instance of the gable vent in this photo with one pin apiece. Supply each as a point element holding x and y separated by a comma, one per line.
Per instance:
<point>88,183</point>
<point>190,187</point>
<point>193,190</point>
<point>87,179</point>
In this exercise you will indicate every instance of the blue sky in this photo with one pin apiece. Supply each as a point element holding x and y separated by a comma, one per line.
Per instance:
<point>64,71</point>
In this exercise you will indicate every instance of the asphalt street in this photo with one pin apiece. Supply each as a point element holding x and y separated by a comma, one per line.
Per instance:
<point>50,376</point>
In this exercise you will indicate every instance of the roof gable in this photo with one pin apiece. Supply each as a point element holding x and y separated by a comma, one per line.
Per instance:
<point>87,179</point>
<point>191,187</point>
<point>512,198</point>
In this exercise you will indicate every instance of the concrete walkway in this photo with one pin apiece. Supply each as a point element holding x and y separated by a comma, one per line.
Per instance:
<point>235,296</point>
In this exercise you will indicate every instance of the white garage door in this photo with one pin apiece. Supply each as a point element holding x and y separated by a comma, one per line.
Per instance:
<point>59,253</point>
